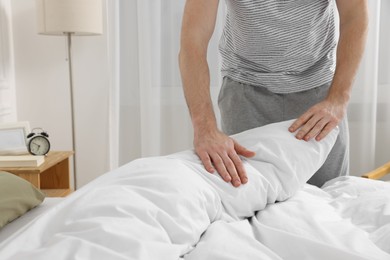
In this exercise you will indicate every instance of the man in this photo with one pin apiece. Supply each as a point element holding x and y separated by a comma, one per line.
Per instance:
<point>281,61</point>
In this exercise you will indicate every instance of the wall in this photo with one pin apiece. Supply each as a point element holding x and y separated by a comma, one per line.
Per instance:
<point>42,88</point>
<point>7,86</point>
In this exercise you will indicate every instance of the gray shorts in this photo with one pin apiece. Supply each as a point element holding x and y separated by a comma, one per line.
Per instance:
<point>244,107</point>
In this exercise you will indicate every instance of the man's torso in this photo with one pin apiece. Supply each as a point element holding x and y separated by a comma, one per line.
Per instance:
<point>283,45</point>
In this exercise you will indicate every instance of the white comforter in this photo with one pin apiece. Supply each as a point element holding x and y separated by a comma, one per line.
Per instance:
<point>170,208</point>
<point>348,220</point>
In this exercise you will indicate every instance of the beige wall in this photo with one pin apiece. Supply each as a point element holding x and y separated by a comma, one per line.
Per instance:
<point>42,89</point>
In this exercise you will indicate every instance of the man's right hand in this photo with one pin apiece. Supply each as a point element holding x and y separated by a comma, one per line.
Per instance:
<point>218,151</point>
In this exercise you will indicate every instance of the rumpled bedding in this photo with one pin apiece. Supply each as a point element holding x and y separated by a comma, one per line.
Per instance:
<point>348,219</point>
<point>171,208</point>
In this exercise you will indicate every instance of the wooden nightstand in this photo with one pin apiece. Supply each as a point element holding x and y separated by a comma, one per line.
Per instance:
<point>52,177</point>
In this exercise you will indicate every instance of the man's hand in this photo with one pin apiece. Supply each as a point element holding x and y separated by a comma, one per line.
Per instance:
<point>218,151</point>
<point>319,120</point>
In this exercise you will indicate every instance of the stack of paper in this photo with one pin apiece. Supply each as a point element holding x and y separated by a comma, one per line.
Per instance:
<point>21,161</point>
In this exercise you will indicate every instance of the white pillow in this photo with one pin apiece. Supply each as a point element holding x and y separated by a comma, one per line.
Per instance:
<point>282,158</point>
<point>282,164</point>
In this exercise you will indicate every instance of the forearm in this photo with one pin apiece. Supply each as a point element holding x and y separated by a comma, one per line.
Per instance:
<point>350,50</point>
<point>196,84</point>
<point>321,118</point>
<point>216,150</point>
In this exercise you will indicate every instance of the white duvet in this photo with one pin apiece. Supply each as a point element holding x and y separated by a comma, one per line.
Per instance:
<point>171,208</point>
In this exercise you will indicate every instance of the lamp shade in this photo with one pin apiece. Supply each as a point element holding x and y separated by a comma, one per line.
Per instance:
<point>79,17</point>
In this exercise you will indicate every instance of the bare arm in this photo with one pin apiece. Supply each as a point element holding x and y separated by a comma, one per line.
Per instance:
<point>320,119</point>
<point>197,28</point>
<point>215,149</point>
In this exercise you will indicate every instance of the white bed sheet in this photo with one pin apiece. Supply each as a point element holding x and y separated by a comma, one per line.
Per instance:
<point>348,219</point>
<point>28,217</point>
<point>171,208</point>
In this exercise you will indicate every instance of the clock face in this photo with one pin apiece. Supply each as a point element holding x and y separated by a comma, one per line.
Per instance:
<point>39,145</point>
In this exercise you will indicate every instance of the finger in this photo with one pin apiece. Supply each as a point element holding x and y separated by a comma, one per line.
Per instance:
<point>239,167</point>
<point>205,158</point>
<point>300,121</point>
<point>316,129</point>
<point>231,168</point>
<point>241,150</point>
<point>325,131</point>
<point>220,166</point>
<point>307,127</point>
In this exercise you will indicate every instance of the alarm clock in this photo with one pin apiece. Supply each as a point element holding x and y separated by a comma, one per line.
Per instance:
<point>38,142</point>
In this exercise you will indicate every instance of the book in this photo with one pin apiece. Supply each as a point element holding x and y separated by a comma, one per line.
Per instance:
<point>22,150</point>
<point>21,161</point>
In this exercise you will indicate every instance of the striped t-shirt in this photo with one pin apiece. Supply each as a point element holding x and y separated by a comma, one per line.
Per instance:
<point>285,46</point>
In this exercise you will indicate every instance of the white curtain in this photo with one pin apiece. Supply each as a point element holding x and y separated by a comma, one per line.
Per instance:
<point>148,108</point>
<point>149,115</point>
<point>369,117</point>
<point>7,84</point>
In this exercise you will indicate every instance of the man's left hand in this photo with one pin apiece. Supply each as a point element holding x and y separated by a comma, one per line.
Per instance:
<point>319,120</point>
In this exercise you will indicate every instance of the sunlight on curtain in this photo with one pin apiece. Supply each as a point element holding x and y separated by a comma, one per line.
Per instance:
<point>383,104</point>
<point>154,118</point>
<point>362,109</point>
<point>369,108</point>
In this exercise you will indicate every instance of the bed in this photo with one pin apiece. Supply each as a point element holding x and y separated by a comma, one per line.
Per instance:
<point>169,207</point>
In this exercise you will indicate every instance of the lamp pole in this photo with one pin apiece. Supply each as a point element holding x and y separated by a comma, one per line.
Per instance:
<point>69,18</point>
<point>69,43</point>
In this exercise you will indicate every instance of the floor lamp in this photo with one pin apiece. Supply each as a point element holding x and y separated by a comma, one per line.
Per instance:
<point>70,18</point>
